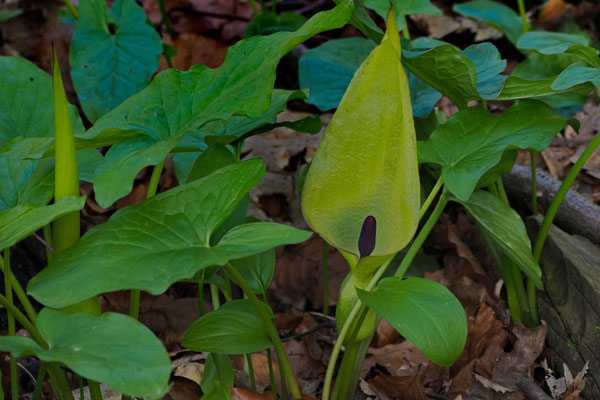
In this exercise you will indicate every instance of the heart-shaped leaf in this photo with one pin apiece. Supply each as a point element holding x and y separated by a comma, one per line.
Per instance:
<point>506,228</point>
<point>576,74</point>
<point>402,8</point>
<point>113,54</point>
<point>177,102</point>
<point>426,313</point>
<point>21,221</point>
<point>235,328</point>
<point>151,245</point>
<point>111,348</point>
<point>473,140</point>
<point>257,270</point>
<point>494,14</point>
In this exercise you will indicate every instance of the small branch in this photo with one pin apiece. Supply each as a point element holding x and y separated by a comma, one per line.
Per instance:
<point>46,245</point>
<point>531,390</point>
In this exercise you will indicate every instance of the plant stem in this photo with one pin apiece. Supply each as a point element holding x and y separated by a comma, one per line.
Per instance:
<point>523,16</point>
<point>14,384</point>
<point>254,7</point>
<point>284,395</point>
<point>251,371</point>
<point>214,295</point>
<point>431,197</point>
<point>263,6</point>
<point>95,392</point>
<point>16,287</point>
<point>519,287</point>
<point>284,362</point>
<point>39,382</point>
<point>134,299</point>
<point>201,309</point>
<point>48,239</point>
<point>59,381</point>
<point>551,213</point>
<point>165,18</point>
<point>423,234</point>
<point>324,252</point>
<point>405,31</point>
<point>72,9</point>
<point>271,374</point>
<point>533,182</point>
<point>274,6</point>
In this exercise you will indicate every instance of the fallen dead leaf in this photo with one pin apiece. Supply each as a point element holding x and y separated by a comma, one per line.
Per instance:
<point>407,387</point>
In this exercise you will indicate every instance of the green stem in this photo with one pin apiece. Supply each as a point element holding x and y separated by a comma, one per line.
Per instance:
<point>72,9</point>
<point>201,309</point>
<point>271,374</point>
<point>263,6</point>
<point>551,213</point>
<point>520,292</point>
<point>284,394</point>
<point>48,239</point>
<point>39,382</point>
<point>134,299</point>
<point>18,290</point>
<point>214,295</point>
<point>274,7</point>
<point>431,197</point>
<point>14,384</point>
<point>81,387</point>
<point>523,16</point>
<point>284,362</point>
<point>423,234</point>
<point>251,370</point>
<point>405,31</point>
<point>344,376</point>
<point>59,382</point>
<point>35,335</point>
<point>324,252</point>
<point>95,392</point>
<point>165,18</point>
<point>533,182</point>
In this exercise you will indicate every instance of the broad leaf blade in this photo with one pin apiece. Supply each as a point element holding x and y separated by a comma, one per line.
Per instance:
<point>473,140</point>
<point>550,43</point>
<point>21,221</point>
<point>112,348</point>
<point>235,328</point>
<point>176,102</point>
<point>426,313</point>
<point>507,229</point>
<point>257,270</point>
<point>111,61</point>
<point>165,239</point>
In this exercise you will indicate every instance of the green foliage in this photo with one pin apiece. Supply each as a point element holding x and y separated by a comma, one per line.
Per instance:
<point>113,54</point>
<point>235,328</point>
<point>268,23</point>
<point>473,141</point>
<point>111,348</point>
<point>506,228</point>
<point>426,313</point>
<point>162,240</point>
<point>177,102</point>
<point>8,13</point>
<point>402,8</point>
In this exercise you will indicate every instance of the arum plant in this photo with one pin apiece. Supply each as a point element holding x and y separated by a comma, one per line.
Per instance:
<point>361,195</point>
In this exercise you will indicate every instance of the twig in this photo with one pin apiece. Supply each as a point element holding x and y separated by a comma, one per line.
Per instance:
<point>531,390</point>
<point>41,239</point>
<point>325,325</point>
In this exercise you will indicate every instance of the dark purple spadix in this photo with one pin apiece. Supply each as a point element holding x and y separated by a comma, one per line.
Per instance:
<point>366,240</point>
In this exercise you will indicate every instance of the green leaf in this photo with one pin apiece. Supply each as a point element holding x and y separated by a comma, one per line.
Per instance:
<point>473,140</point>
<point>506,228</point>
<point>362,20</point>
<point>576,74</point>
<point>162,240</point>
<point>402,8</point>
<point>494,14</point>
<point>26,115</point>
<point>326,71</point>
<point>177,102</point>
<point>235,328</point>
<point>257,270</point>
<point>268,23</point>
<point>489,66</point>
<point>21,221</point>
<point>211,159</point>
<point>112,348</point>
<point>557,43</point>
<point>426,313</point>
<point>113,54</point>
<point>218,376</point>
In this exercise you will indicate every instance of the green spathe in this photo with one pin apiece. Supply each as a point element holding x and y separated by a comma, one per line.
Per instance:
<point>366,164</point>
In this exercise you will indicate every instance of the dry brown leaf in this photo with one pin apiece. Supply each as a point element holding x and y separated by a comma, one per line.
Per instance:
<point>385,334</point>
<point>245,394</point>
<point>195,49</point>
<point>396,356</point>
<point>407,387</point>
